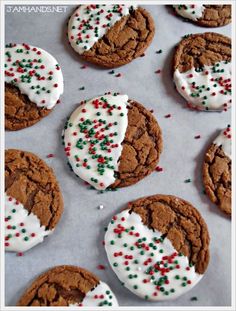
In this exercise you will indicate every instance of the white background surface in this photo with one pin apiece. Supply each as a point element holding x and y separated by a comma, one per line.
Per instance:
<point>78,237</point>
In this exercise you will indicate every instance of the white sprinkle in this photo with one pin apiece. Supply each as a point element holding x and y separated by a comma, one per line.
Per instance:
<point>100,207</point>
<point>139,268</point>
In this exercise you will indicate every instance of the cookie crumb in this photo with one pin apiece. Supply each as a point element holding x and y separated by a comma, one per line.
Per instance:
<point>158,71</point>
<point>111,72</point>
<point>83,67</point>
<point>82,88</point>
<point>118,75</point>
<point>168,115</point>
<point>197,136</point>
<point>159,51</point>
<point>193,298</point>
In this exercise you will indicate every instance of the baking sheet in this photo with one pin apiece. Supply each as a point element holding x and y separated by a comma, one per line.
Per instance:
<point>78,237</point>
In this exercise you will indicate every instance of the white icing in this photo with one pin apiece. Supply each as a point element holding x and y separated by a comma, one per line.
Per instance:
<point>114,134</point>
<point>129,264</point>
<point>100,296</point>
<point>192,11</point>
<point>22,230</point>
<point>209,78</point>
<point>224,140</point>
<point>85,18</point>
<point>43,81</point>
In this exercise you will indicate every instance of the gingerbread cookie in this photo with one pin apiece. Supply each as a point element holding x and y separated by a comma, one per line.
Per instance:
<point>158,247</point>
<point>33,85</point>
<point>205,15</point>
<point>33,200</point>
<point>68,286</point>
<point>111,141</point>
<point>217,171</point>
<point>202,71</point>
<point>110,35</point>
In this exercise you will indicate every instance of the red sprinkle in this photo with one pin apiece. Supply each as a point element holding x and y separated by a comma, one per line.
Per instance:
<point>20,254</point>
<point>197,137</point>
<point>101,267</point>
<point>159,169</point>
<point>50,155</point>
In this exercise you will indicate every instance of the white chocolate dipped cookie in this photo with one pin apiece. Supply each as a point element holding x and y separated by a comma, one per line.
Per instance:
<point>202,71</point>
<point>111,141</point>
<point>149,246</point>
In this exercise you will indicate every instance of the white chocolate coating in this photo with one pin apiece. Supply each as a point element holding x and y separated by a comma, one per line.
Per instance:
<point>206,89</point>
<point>192,11</point>
<point>22,230</point>
<point>147,264</point>
<point>93,139</point>
<point>224,140</point>
<point>35,72</point>
<point>100,296</point>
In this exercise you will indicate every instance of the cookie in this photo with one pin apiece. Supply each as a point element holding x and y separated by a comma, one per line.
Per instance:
<point>158,247</point>
<point>202,71</point>
<point>33,85</point>
<point>110,35</point>
<point>217,171</point>
<point>68,286</point>
<point>111,141</point>
<point>33,200</point>
<point>205,15</point>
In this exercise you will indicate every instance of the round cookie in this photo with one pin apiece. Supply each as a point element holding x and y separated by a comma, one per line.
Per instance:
<point>205,15</point>
<point>202,71</point>
<point>110,35</point>
<point>33,85</point>
<point>217,171</point>
<point>158,247</point>
<point>111,141</point>
<point>68,286</point>
<point>33,200</point>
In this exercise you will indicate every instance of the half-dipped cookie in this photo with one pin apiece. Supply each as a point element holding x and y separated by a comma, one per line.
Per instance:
<point>33,85</point>
<point>110,35</point>
<point>158,247</point>
<point>202,71</point>
<point>112,141</point>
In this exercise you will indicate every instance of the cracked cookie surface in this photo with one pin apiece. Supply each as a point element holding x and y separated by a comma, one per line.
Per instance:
<point>198,50</point>
<point>179,222</point>
<point>59,286</point>
<point>142,146</point>
<point>68,286</point>
<point>20,112</point>
<point>210,15</point>
<point>217,173</point>
<point>30,181</point>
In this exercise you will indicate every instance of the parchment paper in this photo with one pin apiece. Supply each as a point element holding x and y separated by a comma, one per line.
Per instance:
<point>78,237</point>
